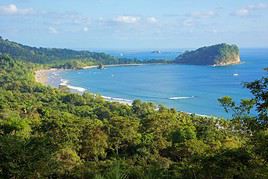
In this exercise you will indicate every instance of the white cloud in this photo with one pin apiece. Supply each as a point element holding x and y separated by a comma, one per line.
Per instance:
<point>52,30</point>
<point>246,11</point>
<point>241,12</point>
<point>127,19</point>
<point>258,6</point>
<point>152,20</point>
<point>205,14</point>
<point>12,9</point>
<point>194,18</point>
<point>188,22</point>
<point>85,29</point>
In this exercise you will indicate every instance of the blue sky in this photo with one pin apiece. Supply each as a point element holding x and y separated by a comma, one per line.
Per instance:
<point>134,24</point>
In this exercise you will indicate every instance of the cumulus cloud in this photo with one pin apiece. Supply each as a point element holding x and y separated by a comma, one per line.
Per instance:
<point>127,19</point>
<point>188,22</point>
<point>52,30</point>
<point>85,29</point>
<point>205,14</point>
<point>242,12</point>
<point>258,6</point>
<point>246,11</point>
<point>194,18</point>
<point>152,20</point>
<point>12,9</point>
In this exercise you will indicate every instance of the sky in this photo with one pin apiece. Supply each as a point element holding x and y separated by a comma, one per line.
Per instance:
<point>135,24</point>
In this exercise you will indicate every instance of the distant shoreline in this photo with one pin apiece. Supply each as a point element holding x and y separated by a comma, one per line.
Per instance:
<point>41,75</point>
<point>115,65</point>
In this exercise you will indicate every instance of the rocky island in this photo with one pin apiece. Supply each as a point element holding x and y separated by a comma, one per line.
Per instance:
<point>218,55</point>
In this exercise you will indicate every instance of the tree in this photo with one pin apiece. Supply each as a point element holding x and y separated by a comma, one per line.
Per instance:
<point>94,141</point>
<point>259,89</point>
<point>123,133</point>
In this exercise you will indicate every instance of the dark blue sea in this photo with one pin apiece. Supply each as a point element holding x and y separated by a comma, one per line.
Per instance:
<point>189,88</point>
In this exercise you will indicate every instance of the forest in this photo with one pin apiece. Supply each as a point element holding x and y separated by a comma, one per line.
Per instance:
<point>63,58</point>
<point>51,133</point>
<point>220,54</point>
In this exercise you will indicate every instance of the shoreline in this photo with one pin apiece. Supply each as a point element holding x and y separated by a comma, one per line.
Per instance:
<point>115,65</point>
<point>42,76</point>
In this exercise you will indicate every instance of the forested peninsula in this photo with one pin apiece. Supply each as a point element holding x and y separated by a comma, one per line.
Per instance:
<point>218,55</point>
<point>50,133</point>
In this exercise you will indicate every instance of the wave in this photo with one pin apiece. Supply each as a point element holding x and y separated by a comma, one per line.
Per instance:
<point>120,100</point>
<point>63,82</point>
<point>80,89</point>
<point>181,97</point>
<point>76,88</point>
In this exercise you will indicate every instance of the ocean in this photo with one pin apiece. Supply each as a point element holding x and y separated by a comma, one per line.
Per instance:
<point>188,88</point>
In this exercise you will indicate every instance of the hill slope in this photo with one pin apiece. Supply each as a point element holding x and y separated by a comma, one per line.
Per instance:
<point>50,133</point>
<point>221,54</point>
<point>50,55</point>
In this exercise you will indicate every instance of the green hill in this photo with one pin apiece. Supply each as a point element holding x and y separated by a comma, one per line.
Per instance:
<point>221,54</point>
<point>54,55</point>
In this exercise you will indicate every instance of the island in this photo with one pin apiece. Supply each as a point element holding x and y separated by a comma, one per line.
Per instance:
<point>216,55</point>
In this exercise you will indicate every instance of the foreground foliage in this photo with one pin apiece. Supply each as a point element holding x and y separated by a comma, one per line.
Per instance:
<point>50,133</point>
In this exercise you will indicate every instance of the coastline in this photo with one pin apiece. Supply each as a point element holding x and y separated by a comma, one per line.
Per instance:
<point>115,65</point>
<point>42,76</point>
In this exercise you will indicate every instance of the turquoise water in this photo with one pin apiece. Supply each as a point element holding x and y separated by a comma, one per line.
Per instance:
<point>188,88</point>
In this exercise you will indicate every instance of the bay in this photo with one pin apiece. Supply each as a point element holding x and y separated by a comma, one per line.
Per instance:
<point>189,88</point>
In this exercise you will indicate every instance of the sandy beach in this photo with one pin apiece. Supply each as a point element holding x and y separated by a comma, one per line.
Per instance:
<point>41,76</point>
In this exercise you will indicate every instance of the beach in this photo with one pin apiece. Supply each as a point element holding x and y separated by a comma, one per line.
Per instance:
<point>48,77</point>
<point>41,76</point>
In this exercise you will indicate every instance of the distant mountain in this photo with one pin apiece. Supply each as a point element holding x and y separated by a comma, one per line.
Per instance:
<point>50,55</point>
<point>220,55</point>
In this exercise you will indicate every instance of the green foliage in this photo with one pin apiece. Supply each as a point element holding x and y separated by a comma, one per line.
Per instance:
<point>49,55</point>
<point>213,55</point>
<point>62,58</point>
<point>259,89</point>
<point>242,110</point>
<point>50,133</point>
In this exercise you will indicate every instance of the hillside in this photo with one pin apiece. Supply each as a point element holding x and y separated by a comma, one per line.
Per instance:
<point>55,55</point>
<point>221,54</point>
<point>50,133</point>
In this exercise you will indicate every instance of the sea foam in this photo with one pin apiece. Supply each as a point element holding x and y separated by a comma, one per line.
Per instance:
<point>76,88</point>
<point>181,97</point>
<point>120,100</point>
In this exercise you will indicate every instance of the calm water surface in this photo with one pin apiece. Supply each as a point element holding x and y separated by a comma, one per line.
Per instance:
<point>184,87</point>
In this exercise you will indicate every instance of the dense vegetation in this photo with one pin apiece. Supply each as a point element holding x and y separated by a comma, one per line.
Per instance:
<point>221,54</point>
<point>51,133</point>
<point>62,58</point>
